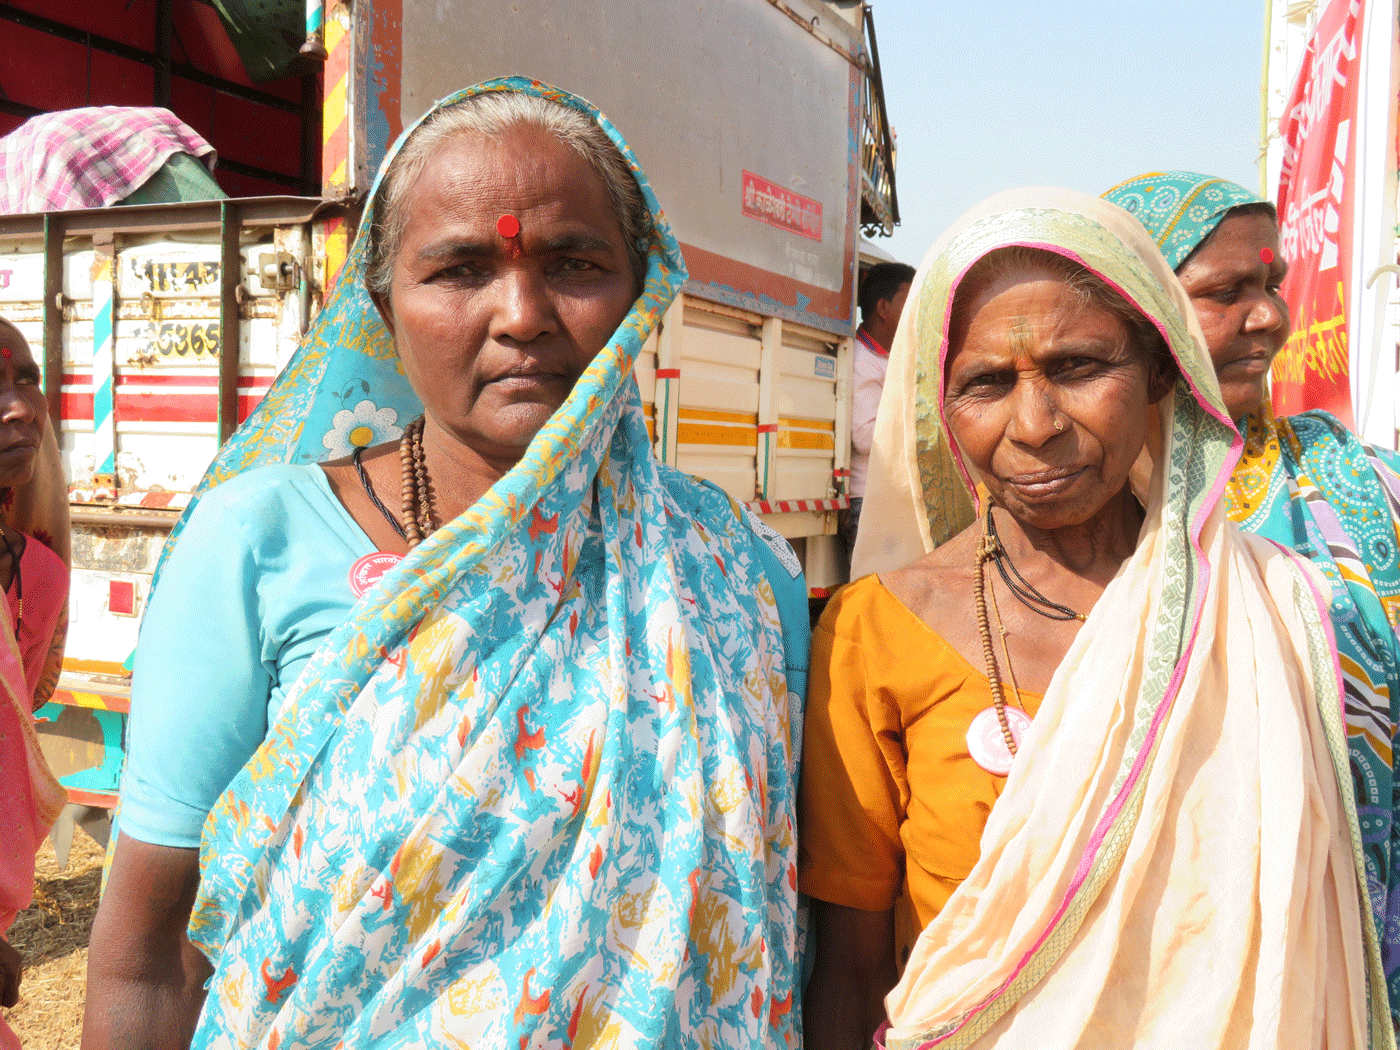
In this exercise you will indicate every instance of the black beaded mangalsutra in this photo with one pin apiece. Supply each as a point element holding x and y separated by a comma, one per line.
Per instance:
<point>1022,588</point>
<point>417,519</point>
<point>989,548</point>
<point>373,496</point>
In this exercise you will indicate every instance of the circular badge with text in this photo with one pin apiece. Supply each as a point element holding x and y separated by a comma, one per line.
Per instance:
<point>368,571</point>
<point>987,745</point>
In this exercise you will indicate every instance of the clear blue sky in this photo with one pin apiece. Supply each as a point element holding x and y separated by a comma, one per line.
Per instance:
<point>986,95</point>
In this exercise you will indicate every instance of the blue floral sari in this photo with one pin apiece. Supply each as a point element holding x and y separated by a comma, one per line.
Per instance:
<point>539,788</point>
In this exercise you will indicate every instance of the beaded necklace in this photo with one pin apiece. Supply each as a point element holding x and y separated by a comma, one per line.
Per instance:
<point>416,490</point>
<point>1022,588</point>
<point>991,549</point>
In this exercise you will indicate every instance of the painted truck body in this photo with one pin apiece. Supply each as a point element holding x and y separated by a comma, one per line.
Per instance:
<point>760,126</point>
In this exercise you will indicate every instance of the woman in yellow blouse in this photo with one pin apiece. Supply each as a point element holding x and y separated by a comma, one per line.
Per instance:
<point>1039,806</point>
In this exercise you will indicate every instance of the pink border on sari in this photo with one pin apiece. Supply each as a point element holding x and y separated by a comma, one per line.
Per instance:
<point>1114,810</point>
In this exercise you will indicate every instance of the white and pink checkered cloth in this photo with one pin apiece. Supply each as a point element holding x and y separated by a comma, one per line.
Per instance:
<point>89,158</point>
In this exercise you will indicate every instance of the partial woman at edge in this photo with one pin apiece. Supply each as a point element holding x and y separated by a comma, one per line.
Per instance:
<point>34,559</point>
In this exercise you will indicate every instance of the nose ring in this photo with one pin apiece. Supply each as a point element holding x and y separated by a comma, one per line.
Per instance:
<point>1059,425</point>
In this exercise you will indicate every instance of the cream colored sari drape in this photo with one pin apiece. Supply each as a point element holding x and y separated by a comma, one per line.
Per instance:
<point>1174,861</point>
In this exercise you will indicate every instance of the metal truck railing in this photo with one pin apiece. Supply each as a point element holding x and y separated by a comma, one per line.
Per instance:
<point>879,203</point>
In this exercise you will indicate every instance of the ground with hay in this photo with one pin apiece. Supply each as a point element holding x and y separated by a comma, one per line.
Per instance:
<point>52,935</point>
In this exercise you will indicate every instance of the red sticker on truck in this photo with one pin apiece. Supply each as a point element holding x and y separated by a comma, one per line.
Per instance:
<point>768,202</point>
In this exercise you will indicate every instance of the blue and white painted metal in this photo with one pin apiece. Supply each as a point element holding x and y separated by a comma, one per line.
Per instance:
<point>104,418</point>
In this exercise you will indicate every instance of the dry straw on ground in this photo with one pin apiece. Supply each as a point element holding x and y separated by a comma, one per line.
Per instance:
<point>52,935</point>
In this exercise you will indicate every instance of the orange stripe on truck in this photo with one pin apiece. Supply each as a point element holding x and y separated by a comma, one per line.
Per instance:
<point>111,667</point>
<point>710,434</point>
<point>805,439</point>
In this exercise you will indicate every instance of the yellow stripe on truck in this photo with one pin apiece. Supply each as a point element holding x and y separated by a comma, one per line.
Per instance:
<point>805,439</point>
<point>715,434</point>
<point>334,110</point>
<point>799,423</point>
<point>91,701</point>
<point>108,667</point>
<point>798,432</point>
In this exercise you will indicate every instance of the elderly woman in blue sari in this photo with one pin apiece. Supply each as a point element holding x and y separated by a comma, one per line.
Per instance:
<point>512,763</point>
<point>1304,481</point>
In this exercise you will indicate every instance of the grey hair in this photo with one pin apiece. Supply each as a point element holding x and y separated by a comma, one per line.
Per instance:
<point>1091,289</point>
<point>496,113</point>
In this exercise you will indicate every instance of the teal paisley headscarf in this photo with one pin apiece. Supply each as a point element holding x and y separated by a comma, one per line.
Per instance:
<point>1310,484</point>
<point>1179,208</point>
<point>539,788</point>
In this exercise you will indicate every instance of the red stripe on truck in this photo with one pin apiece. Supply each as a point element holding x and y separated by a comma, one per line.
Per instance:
<point>75,406</point>
<point>158,408</point>
<point>147,379</point>
<point>178,408</point>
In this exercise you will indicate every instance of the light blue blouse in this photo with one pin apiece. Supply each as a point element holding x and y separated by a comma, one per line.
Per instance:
<point>259,578</point>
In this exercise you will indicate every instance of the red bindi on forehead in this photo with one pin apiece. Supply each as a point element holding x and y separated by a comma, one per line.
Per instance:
<point>508,226</point>
<point>1266,256</point>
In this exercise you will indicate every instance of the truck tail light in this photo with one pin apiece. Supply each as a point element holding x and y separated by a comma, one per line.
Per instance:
<point>121,597</point>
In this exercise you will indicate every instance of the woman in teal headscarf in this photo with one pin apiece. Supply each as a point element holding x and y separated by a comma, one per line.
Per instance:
<point>1305,482</point>
<point>535,784</point>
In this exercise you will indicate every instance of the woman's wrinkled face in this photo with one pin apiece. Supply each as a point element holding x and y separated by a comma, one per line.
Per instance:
<point>1236,296</point>
<point>493,331</point>
<point>23,409</point>
<point>1029,353</point>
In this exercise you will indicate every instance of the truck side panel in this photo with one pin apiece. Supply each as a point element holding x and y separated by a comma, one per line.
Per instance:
<point>742,116</point>
<point>152,303</point>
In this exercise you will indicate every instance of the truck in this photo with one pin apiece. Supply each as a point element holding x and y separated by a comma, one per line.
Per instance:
<point>1329,160</point>
<point>760,123</point>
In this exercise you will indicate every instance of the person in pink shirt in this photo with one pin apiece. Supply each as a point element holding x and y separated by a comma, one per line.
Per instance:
<point>34,574</point>
<point>883,289</point>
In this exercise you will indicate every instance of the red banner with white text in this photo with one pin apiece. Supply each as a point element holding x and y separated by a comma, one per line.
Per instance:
<point>1316,190</point>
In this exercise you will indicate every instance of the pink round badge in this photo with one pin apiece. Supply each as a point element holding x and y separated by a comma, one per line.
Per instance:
<point>370,569</point>
<point>987,746</point>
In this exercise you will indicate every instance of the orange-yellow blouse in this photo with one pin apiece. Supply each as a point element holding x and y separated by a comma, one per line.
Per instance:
<point>892,806</point>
